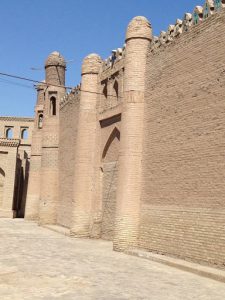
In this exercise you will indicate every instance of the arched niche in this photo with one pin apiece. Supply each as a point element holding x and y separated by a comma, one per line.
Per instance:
<point>40,121</point>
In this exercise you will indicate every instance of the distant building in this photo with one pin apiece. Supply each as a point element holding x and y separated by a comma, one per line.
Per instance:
<point>15,151</point>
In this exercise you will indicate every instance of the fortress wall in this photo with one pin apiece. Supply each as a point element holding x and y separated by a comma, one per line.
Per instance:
<point>67,145</point>
<point>183,207</point>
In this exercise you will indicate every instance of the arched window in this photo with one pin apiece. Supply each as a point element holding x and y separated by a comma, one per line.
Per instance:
<point>40,121</point>
<point>53,106</point>
<point>116,89</point>
<point>24,134</point>
<point>9,133</point>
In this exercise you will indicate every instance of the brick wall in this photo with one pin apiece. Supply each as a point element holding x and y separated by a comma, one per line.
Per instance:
<point>67,137</point>
<point>183,208</point>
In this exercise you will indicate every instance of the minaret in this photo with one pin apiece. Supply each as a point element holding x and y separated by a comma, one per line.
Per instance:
<point>86,141</point>
<point>55,68</point>
<point>138,38</point>
<point>33,193</point>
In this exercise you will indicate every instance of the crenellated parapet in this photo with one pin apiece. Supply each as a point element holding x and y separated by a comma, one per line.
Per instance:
<point>73,95</point>
<point>114,58</point>
<point>199,15</point>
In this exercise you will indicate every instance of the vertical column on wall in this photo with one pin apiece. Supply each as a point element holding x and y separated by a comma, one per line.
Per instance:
<point>55,67</point>
<point>84,180</point>
<point>33,193</point>
<point>138,38</point>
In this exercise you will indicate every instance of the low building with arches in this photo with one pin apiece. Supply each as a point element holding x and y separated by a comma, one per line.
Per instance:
<point>15,151</point>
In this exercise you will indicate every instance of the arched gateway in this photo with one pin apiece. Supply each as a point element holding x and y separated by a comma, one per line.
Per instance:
<point>109,184</point>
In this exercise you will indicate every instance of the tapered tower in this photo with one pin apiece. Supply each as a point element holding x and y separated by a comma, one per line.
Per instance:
<point>138,38</point>
<point>33,194</point>
<point>55,68</point>
<point>86,136</point>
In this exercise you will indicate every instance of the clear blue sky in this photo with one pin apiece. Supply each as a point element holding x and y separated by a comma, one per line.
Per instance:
<point>31,29</point>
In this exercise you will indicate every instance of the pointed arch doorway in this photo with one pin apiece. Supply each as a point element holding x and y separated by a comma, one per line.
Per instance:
<point>109,183</point>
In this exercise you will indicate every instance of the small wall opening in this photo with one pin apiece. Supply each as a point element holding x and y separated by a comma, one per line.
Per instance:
<point>53,106</point>
<point>9,133</point>
<point>24,134</point>
<point>105,91</point>
<point>116,89</point>
<point>40,121</point>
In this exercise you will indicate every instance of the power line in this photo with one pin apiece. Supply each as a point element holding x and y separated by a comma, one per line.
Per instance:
<point>15,83</point>
<point>56,85</point>
<point>34,81</point>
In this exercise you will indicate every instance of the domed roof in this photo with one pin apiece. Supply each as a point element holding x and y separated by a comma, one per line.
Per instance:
<point>139,27</point>
<point>91,64</point>
<point>55,59</point>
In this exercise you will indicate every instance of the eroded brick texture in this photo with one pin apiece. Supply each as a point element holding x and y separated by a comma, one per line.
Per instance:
<point>67,148</point>
<point>183,211</point>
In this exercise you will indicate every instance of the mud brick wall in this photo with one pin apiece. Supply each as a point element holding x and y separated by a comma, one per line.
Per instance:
<point>67,146</point>
<point>183,207</point>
